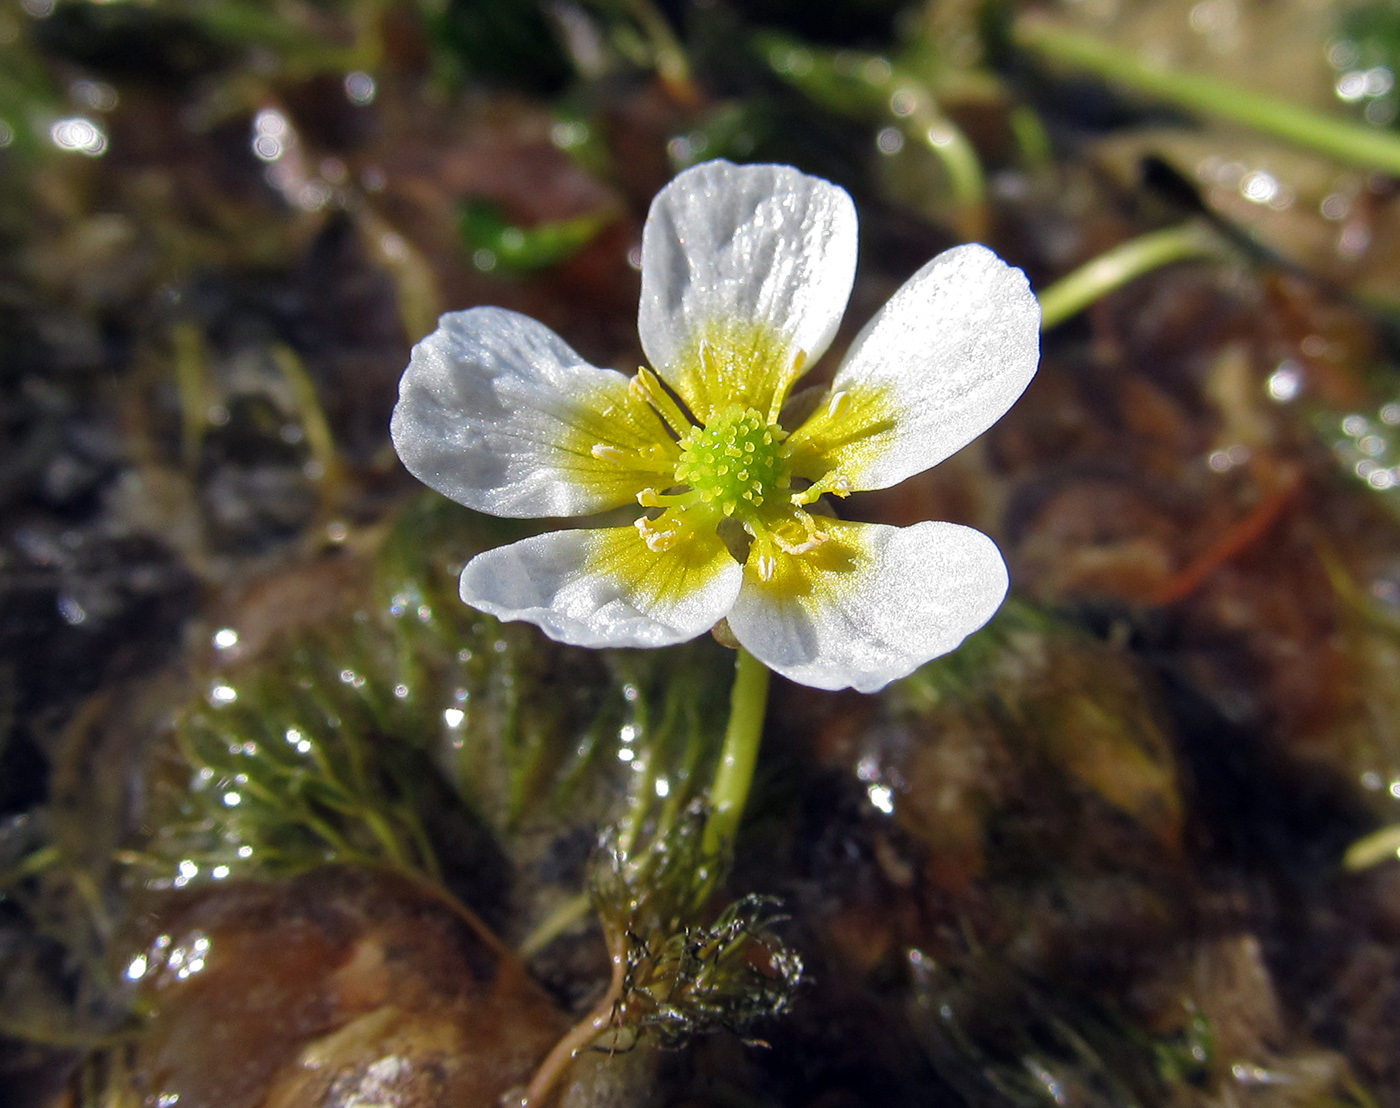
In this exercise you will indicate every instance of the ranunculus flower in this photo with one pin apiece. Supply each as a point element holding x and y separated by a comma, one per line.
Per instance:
<point>745,274</point>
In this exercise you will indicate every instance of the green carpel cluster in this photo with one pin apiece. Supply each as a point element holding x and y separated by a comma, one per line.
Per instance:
<point>735,462</point>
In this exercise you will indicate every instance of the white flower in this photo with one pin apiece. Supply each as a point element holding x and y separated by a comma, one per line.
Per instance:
<point>745,274</point>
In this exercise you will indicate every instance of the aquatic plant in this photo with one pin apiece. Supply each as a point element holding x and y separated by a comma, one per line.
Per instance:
<point>745,272</point>
<point>745,275</point>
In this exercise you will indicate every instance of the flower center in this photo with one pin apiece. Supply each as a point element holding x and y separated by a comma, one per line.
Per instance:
<point>734,462</point>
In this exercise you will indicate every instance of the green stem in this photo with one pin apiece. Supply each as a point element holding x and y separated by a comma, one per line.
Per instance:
<point>46,857</point>
<point>927,124</point>
<point>966,180</point>
<point>320,440</point>
<point>1032,138</point>
<point>747,703</point>
<point>672,65</point>
<point>1326,134</point>
<point>1125,262</point>
<point>565,916</point>
<point>1371,850</point>
<point>191,387</point>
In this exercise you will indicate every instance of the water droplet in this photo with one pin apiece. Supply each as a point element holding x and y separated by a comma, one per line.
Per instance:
<point>225,638</point>
<point>359,88</point>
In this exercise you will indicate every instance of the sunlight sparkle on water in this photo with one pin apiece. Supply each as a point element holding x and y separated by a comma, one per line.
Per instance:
<point>188,958</point>
<point>359,88</point>
<point>225,638</point>
<point>298,740</point>
<point>271,133</point>
<point>1285,381</point>
<point>79,135</point>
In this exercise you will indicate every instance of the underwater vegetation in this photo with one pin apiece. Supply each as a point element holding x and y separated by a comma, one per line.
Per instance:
<point>283,823</point>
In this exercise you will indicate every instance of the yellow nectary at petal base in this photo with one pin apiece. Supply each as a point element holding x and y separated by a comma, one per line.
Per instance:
<point>617,445</point>
<point>827,569</point>
<point>734,364</point>
<point>850,430</point>
<point>662,581</point>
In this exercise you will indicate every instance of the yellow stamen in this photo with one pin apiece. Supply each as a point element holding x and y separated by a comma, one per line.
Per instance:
<point>807,539</point>
<point>650,498</point>
<point>650,388</point>
<point>780,394</point>
<point>658,539</point>
<point>837,484</point>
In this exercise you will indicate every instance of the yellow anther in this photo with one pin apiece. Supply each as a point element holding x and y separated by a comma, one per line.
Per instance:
<point>811,540</point>
<point>657,539</point>
<point>798,535</point>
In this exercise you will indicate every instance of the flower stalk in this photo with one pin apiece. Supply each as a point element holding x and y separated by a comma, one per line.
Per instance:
<point>748,703</point>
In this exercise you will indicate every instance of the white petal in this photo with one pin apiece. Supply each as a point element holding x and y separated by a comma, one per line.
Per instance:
<point>498,413</point>
<point>872,604</point>
<point>603,587</point>
<point>937,366</point>
<point>758,245</point>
